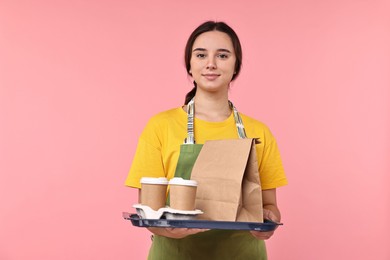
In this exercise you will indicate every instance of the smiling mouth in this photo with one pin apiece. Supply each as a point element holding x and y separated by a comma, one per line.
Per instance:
<point>211,76</point>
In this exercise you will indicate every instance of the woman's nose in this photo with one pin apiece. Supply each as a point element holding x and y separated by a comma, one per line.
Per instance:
<point>211,63</point>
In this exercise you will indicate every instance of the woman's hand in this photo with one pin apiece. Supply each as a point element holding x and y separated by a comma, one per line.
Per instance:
<point>268,214</point>
<point>175,232</point>
<point>183,232</point>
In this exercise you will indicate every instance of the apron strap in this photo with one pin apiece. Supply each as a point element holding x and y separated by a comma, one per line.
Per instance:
<point>239,123</point>
<point>190,122</point>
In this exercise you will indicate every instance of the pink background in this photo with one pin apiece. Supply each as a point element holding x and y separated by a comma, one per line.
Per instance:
<point>79,80</point>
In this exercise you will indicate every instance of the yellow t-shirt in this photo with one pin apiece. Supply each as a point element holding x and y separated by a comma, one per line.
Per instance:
<point>159,146</point>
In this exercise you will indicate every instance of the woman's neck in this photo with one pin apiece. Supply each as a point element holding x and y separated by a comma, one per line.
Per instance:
<point>213,108</point>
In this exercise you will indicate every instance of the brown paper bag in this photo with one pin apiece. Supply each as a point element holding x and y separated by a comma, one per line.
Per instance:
<point>228,181</point>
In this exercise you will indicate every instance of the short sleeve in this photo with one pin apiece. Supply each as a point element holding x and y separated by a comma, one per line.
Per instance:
<point>270,167</point>
<point>147,160</point>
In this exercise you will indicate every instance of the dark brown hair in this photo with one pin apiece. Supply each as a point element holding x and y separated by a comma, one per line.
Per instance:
<point>207,27</point>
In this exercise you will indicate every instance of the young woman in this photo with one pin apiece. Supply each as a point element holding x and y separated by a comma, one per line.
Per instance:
<point>213,59</point>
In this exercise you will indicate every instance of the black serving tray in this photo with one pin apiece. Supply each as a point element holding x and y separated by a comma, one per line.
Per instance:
<point>204,224</point>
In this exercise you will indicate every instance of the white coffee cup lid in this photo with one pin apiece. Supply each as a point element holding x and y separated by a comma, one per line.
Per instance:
<point>149,180</point>
<point>181,181</point>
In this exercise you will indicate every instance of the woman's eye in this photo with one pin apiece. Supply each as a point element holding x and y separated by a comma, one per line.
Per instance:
<point>223,56</point>
<point>200,55</point>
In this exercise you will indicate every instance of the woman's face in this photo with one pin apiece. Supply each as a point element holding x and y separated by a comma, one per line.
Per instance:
<point>213,61</point>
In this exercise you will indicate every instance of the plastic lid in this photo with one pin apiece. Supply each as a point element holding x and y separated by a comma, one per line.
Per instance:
<point>181,181</point>
<point>149,180</point>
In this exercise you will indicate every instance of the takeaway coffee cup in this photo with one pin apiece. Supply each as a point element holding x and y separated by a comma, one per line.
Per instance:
<point>153,192</point>
<point>182,194</point>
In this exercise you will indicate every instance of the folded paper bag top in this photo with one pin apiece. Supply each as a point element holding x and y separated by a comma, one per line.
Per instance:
<point>153,192</point>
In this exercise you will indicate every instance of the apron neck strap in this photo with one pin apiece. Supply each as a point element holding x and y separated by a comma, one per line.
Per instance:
<point>190,122</point>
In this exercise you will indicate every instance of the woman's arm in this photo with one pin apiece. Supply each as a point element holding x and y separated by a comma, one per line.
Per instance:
<point>270,211</point>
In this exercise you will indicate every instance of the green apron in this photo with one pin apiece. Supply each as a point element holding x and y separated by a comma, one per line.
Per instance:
<point>212,244</point>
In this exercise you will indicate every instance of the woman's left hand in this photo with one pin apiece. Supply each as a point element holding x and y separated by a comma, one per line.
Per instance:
<point>268,214</point>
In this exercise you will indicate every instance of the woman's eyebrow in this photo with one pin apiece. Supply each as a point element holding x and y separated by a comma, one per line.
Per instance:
<point>199,49</point>
<point>203,49</point>
<point>224,50</point>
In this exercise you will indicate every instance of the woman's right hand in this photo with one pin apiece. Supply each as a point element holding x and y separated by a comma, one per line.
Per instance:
<point>175,232</point>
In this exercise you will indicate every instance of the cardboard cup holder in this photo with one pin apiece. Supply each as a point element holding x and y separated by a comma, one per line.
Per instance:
<point>145,212</point>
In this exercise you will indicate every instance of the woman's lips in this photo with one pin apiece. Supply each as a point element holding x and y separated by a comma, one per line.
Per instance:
<point>210,76</point>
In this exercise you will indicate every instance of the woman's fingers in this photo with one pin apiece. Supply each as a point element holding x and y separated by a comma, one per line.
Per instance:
<point>183,232</point>
<point>262,235</point>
